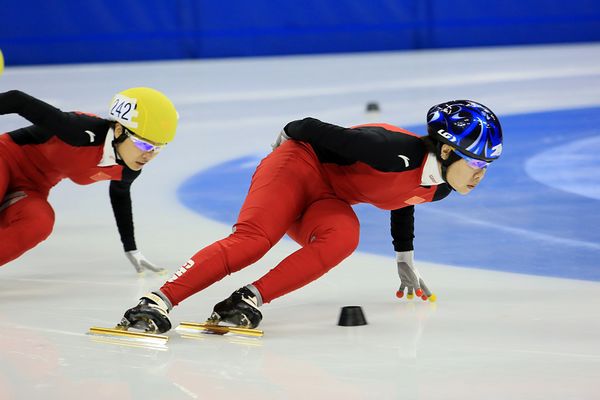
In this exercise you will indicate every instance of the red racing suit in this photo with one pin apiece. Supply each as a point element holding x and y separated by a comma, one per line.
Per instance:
<point>58,145</point>
<point>305,188</point>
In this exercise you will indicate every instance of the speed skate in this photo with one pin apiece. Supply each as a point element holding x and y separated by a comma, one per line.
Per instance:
<point>121,334</point>
<point>239,310</point>
<point>212,327</point>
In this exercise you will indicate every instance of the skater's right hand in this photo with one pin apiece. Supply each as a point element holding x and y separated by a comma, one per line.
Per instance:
<point>141,263</point>
<point>410,278</point>
<point>280,139</point>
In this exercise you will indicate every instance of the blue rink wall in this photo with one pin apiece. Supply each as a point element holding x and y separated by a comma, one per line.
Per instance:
<point>536,212</point>
<point>42,32</point>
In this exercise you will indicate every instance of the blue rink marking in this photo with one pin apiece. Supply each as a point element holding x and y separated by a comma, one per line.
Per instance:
<point>528,216</point>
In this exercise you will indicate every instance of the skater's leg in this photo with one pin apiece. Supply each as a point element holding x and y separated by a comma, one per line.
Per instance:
<point>283,184</point>
<point>26,219</point>
<point>328,232</point>
<point>4,178</point>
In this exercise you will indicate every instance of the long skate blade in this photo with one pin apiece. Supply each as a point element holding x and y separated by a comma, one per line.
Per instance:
<point>150,339</point>
<point>219,329</point>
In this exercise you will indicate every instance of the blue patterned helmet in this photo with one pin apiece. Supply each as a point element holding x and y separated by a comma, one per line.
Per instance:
<point>470,127</point>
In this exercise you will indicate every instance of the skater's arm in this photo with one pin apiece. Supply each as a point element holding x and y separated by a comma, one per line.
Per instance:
<point>73,128</point>
<point>120,199</point>
<point>30,108</point>
<point>376,146</point>
<point>403,228</point>
<point>411,281</point>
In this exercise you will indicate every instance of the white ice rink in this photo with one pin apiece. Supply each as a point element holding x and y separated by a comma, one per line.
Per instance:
<point>490,335</point>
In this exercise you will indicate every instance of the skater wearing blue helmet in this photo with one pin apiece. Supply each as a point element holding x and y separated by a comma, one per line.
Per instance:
<point>306,188</point>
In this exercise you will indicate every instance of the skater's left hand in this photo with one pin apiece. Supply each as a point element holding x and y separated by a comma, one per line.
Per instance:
<point>410,278</point>
<point>140,263</point>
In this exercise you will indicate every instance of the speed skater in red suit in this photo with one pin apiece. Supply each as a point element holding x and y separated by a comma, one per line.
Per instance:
<point>83,148</point>
<point>306,188</point>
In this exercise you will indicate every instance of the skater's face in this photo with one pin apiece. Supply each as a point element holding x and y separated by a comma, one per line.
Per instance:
<point>460,175</point>
<point>134,157</point>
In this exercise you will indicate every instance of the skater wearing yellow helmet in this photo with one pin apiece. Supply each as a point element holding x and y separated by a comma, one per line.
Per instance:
<point>84,148</point>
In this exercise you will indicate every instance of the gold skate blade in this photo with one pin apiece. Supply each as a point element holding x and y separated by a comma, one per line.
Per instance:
<point>219,329</point>
<point>119,333</point>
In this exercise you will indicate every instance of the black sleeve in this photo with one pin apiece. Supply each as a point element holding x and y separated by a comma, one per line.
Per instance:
<point>120,199</point>
<point>378,147</point>
<point>76,129</point>
<point>403,228</point>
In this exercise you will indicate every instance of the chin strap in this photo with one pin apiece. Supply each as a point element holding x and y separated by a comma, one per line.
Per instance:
<point>115,142</point>
<point>453,157</point>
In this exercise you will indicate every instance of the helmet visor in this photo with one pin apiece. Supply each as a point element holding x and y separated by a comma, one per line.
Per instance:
<point>142,144</point>
<point>473,162</point>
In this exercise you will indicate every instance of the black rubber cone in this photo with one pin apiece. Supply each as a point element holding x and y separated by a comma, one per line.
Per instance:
<point>372,106</point>
<point>352,316</point>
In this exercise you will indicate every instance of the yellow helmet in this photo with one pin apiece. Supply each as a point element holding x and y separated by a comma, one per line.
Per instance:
<point>146,112</point>
<point>1,62</point>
